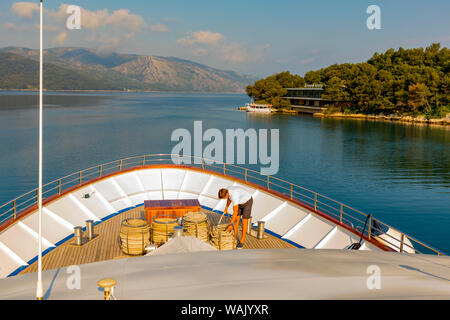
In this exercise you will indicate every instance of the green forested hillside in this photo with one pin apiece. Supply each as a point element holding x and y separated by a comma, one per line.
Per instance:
<point>403,81</point>
<point>272,89</point>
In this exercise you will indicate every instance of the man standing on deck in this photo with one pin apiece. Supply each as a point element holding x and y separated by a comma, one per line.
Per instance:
<point>242,207</point>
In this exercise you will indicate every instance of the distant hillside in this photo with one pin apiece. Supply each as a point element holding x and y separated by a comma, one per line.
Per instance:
<point>88,69</point>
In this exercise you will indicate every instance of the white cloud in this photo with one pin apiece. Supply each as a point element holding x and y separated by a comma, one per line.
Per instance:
<point>103,28</point>
<point>60,39</point>
<point>159,27</point>
<point>207,43</point>
<point>207,38</point>
<point>25,9</point>
<point>238,53</point>
<point>124,19</point>
<point>93,20</point>
<point>90,20</point>
<point>235,53</point>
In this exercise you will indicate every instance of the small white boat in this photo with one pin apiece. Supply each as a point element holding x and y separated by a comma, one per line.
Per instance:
<point>263,108</point>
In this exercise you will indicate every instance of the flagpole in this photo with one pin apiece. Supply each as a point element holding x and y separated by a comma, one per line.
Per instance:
<point>39,287</point>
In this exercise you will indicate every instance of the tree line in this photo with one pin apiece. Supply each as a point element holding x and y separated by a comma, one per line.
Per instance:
<point>404,82</point>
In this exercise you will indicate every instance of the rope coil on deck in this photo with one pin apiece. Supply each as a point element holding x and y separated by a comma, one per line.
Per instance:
<point>221,239</point>
<point>134,236</point>
<point>163,228</point>
<point>195,224</point>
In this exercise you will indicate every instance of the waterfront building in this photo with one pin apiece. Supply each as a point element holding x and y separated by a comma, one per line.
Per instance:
<point>307,99</point>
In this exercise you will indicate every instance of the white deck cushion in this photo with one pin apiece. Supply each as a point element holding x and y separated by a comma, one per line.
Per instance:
<point>150,179</point>
<point>263,204</point>
<point>310,231</point>
<point>8,261</point>
<point>108,189</point>
<point>338,239</point>
<point>95,203</point>
<point>69,211</point>
<point>214,185</point>
<point>21,242</point>
<point>172,179</point>
<point>284,218</point>
<point>194,182</point>
<point>130,183</point>
<point>53,230</point>
<point>170,195</point>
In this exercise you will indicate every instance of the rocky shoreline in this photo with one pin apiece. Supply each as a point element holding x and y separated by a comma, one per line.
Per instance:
<point>392,117</point>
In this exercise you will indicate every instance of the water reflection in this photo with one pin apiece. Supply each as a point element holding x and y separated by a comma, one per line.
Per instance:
<point>29,100</point>
<point>397,151</point>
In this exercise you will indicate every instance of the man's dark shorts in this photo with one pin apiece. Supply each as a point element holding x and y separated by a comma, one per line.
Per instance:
<point>245,210</point>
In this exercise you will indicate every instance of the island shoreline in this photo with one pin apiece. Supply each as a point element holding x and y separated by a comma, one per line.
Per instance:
<point>387,118</point>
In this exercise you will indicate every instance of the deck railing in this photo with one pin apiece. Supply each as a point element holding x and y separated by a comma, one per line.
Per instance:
<point>341,213</point>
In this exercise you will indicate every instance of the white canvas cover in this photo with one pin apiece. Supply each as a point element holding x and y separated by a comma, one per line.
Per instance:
<point>182,244</point>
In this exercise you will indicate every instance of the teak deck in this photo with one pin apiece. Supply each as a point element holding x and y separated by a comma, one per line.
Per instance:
<point>106,245</point>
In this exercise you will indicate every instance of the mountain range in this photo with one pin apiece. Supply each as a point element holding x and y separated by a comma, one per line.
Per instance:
<point>90,69</point>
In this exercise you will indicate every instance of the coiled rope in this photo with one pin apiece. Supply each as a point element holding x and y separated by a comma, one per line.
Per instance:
<point>134,236</point>
<point>196,224</point>
<point>163,228</point>
<point>221,239</point>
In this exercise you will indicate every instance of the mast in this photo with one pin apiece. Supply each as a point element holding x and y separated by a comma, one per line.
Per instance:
<point>39,287</point>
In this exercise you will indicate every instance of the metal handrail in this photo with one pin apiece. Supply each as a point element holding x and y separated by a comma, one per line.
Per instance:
<point>344,213</point>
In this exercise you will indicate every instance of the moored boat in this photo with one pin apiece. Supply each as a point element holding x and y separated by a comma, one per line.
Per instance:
<point>261,108</point>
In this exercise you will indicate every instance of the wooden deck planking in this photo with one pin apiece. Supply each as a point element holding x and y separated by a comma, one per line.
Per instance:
<point>106,245</point>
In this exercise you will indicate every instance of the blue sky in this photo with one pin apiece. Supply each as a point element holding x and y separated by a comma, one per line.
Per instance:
<point>249,36</point>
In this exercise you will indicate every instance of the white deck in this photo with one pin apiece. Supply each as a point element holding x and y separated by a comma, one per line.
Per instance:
<point>18,243</point>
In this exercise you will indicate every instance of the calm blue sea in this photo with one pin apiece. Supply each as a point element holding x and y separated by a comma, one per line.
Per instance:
<point>398,172</point>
